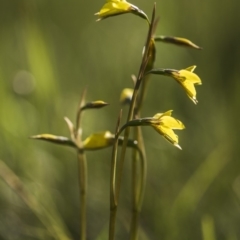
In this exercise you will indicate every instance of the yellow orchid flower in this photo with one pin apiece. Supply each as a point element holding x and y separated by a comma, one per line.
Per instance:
<point>165,124</point>
<point>98,140</point>
<point>185,77</point>
<point>117,7</point>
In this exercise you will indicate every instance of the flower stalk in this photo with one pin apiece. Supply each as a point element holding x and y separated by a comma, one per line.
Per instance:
<point>117,182</point>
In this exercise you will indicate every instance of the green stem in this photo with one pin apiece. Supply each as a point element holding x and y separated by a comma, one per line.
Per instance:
<point>143,168</point>
<point>113,202</point>
<point>82,173</point>
<point>82,169</point>
<point>138,184</point>
<point>117,182</point>
<point>135,190</point>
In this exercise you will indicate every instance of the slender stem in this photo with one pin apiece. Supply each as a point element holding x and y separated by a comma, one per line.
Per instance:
<point>143,167</point>
<point>135,190</point>
<point>82,173</point>
<point>82,169</point>
<point>127,130</point>
<point>117,183</point>
<point>78,133</point>
<point>113,202</point>
<point>138,184</point>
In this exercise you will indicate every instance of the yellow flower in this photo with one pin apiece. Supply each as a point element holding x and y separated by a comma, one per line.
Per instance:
<point>164,124</point>
<point>126,96</point>
<point>98,140</point>
<point>186,78</point>
<point>117,7</point>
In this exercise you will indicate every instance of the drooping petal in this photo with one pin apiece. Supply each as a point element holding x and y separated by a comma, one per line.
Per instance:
<point>167,133</point>
<point>190,90</point>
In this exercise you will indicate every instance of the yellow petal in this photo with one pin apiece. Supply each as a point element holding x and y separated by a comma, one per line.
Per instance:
<point>170,122</point>
<point>98,140</point>
<point>112,8</point>
<point>167,133</point>
<point>190,89</point>
<point>191,69</point>
<point>159,115</point>
<point>190,76</point>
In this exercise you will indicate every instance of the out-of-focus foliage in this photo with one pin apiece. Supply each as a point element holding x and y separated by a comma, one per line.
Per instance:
<point>50,50</point>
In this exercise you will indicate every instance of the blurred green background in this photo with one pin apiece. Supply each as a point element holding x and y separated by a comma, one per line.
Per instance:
<point>50,50</point>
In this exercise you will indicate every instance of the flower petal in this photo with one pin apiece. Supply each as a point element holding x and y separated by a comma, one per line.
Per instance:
<point>190,90</point>
<point>191,69</point>
<point>167,133</point>
<point>170,122</point>
<point>190,76</point>
<point>98,140</point>
<point>116,7</point>
<point>159,115</point>
<point>112,8</point>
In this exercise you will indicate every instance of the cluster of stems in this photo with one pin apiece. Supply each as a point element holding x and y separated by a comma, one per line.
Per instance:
<point>163,123</point>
